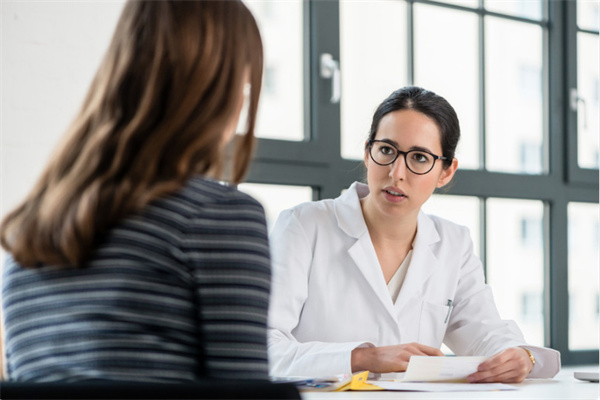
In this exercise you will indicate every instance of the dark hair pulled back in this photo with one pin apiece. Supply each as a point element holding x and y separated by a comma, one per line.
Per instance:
<point>428,103</point>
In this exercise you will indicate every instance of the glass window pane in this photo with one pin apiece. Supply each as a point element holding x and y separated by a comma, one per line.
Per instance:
<point>588,14</point>
<point>281,108</point>
<point>448,38</point>
<point>463,210</point>
<point>587,111</point>
<point>583,276</point>
<point>514,101</point>
<point>372,62</point>
<point>521,8</point>
<point>515,248</point>
<point>276,198</point>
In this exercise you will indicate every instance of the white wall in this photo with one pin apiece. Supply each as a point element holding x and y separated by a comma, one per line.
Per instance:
<point>50,51</point>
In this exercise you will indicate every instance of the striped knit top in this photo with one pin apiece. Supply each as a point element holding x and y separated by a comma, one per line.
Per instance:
<point>177,292</point>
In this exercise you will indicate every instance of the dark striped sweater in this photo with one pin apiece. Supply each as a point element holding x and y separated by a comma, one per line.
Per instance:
<point>173,294</point>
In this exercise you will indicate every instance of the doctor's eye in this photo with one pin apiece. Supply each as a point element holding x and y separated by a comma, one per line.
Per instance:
<point>420,157</point>
<point>387,150</point>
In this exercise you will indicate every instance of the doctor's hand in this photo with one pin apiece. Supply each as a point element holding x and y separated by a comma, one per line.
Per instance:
<point>389,358</point>
<point>509,366</point>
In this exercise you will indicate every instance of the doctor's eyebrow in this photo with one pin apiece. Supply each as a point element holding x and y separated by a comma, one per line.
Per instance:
<point>420,148</point>
<point>417,148</point>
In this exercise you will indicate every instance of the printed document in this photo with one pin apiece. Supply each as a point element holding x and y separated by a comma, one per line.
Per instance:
<point>441,369</point>
<point>438,374</point>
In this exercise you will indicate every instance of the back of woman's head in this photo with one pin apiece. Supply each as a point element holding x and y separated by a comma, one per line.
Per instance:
<point>157,112</point>
<point>171,82</point>
<point>428,103</point>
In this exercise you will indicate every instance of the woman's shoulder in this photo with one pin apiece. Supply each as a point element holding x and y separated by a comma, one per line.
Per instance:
<point>201,195</point>
<point>202,200</point>
<point>209,191</point>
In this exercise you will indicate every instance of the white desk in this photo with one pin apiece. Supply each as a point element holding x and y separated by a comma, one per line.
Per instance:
<point>563,386</point>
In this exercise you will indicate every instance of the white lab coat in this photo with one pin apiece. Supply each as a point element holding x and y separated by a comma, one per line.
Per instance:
<point>329,295</point>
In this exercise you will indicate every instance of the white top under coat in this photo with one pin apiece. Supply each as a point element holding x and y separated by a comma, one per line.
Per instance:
<point>395,284</point>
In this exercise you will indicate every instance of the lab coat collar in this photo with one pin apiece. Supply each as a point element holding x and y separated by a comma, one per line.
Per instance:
<point>424,261</point>
<point>351,221</point>
<point>349,212</point>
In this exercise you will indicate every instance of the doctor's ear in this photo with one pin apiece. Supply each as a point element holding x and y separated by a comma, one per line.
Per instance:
<point>366,156</point>
<point>447,174</point>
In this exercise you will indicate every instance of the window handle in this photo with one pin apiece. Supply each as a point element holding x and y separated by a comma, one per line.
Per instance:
<point>575,99</point>
<point>330,69</point>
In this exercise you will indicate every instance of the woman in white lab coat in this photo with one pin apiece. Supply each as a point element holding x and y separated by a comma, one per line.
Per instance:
<point>367,280</point>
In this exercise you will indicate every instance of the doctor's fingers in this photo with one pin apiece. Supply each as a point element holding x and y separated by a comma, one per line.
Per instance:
<point>510,376</point>
<point>506,377</point>
<point>400,356</point>
<point>432,351</point>
<point>511,371</point>
<point>400,366</point>
<point>419,349</point>
<point>514,358</point>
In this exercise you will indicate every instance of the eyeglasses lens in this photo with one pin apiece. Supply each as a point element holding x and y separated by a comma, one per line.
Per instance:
<point>417,161</point>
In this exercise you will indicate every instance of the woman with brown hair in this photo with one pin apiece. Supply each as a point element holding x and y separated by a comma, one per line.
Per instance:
<point>128,261</point>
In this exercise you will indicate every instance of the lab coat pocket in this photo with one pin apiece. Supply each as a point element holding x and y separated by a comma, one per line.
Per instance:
<point>432,326</point>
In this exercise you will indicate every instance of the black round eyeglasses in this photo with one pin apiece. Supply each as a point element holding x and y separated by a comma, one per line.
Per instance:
<point>417,161</point>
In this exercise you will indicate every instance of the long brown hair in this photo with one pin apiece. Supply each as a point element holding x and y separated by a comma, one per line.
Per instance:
<point>168,87</point>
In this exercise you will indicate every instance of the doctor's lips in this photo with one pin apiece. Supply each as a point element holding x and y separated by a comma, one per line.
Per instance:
<point>392,191</point>
<point>394,195</point>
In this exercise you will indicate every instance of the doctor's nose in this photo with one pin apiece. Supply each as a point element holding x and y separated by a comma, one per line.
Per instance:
<point>398,169</point>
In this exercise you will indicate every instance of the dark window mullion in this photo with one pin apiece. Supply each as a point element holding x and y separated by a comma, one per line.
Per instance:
<point>558,285</point>
<point>410,42</point>
<point>547,163</point>
<point>483,233</point>
<point>547,157</point>
<point>306,63</point>
<point>482,91</point>
<point>570,33</point>
<point>555,259</point>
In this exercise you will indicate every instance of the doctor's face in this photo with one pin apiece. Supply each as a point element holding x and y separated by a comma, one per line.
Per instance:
<point>394,189</point>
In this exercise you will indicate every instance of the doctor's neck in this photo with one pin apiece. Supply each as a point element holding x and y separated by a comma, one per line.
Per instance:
<point>397,228</point>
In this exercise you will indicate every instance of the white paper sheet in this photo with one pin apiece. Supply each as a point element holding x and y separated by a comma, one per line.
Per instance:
<point>440,369</point>
<point>441,387</point>
<point>438,374</point>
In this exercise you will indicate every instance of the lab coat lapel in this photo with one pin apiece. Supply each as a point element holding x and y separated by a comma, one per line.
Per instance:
<point>365,258</point>
<point>424,262</point>
<point>351,221</point>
